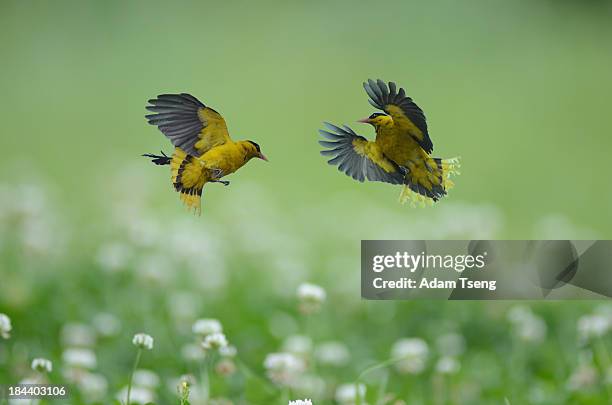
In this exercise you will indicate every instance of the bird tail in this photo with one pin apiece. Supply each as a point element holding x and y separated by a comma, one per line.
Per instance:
<point>450,167</point>
<point>157,159</point>
<point>188,178</point>
<point>434,184</point>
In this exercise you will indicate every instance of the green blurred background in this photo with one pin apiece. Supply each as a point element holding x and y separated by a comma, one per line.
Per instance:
<point>519,89</point>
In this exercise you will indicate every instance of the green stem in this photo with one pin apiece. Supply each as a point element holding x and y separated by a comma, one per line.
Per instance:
<point>601,351</point>
<point>368,370</point>
<point>209,364</point>
<point>518,368</point>
<point>204,378</point>
<point>604,356</point>
<point>309,331</point>
<point>285,396</point>
<point>271,389</point>
<point>378,366</point>
<point>136,361</point>
<point>382,390</point>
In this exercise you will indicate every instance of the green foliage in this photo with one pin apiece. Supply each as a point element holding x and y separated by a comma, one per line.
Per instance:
<point>88,228</point>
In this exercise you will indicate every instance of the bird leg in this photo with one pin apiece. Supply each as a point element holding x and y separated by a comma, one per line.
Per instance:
<point>216,176</point>
<point>224,182</point>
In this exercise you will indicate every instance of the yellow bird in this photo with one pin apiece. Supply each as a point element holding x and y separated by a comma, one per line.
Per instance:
<point>204,152</point>
<point>401,152</point>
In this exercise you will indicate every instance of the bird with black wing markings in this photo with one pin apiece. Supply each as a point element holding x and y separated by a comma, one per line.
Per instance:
<point>204,152</point>
<point>401,152</point>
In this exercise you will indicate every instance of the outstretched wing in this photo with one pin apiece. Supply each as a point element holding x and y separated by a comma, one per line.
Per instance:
<point>405,113</point>
<point>357,157</point>
<point>188,123</point>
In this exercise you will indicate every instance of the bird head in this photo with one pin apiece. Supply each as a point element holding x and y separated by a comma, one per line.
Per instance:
<point>377,120</point>
<point>253,150</point>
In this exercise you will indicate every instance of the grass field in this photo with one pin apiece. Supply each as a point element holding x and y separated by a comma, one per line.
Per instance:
<point>95,246</point>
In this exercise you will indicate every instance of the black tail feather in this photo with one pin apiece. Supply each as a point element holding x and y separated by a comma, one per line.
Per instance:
<point>159,160</point>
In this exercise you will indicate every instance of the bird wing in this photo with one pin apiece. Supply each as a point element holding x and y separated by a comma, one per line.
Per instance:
<point>188,123</point>
<point>357,157</point>
<point>406,114</point>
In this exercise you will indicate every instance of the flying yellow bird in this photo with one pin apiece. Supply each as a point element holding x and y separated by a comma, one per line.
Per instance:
<point>204,152</point>
<point>401,152</point>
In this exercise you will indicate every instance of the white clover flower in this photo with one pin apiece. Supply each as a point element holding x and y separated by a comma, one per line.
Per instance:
<point>192,352</point>
<point>332,354</point>
<point>106,324</point>
<point>143,341</point>
<point>153,269</point>
<point>451,344</point>
<point>225,367</point>
<point>519,313</point>
<point>311,297</point>
<point>604,310</point>
<point>79,358</point>
<point>228,351</point>
<point>284,368</point>
<point>205,327</point>
<point>527,326</point>
<point>412,355</point>
<point>593,326</point>
<point>183,306</point>
<point>533,330</point>
<point>200,396</point>
<point>42,365</point>
<point>311,293</point>
<point>298,344</point>
<point>145,379</point>
<point>73,374</point>
<point>214,341</point>
<point>37,233</point>
<point>143,231</point>
<point>177,385</point>
<point>5,326</point>
<point>182,386</point>
<point>301,402</point>
<point>583,377</point>
<point>183,391</point>
<point>346,394</point>
<point>27,381</point>
<point>448,365</point>
<point>309,385</point>
<point>113,257</point>
<point>138,395</point>
<point>93,386</point>
<point>188,379</point>
<point>78,335</point>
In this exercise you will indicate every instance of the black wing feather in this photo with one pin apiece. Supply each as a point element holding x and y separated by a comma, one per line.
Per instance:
<point>176,116</point>
<point>342,153</point>
<point>381,96</point>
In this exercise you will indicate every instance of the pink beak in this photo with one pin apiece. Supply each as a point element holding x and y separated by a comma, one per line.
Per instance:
<point>262,157</point>
<point>364,120</point>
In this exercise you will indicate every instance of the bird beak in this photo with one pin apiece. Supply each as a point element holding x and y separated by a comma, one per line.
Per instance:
<point>364,120</point>
<point>262,157</point>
